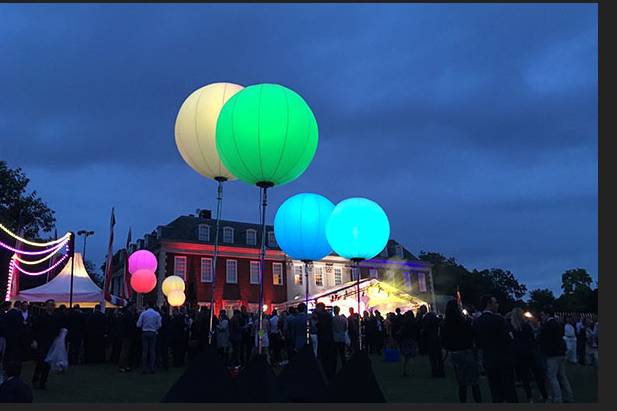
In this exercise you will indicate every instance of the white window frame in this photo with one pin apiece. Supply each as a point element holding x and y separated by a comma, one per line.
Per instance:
<point>204,276</point>
<point>228,229</point>
<point>271,239</point>
<point>177,259</point>
<point>254,232</point>
<point>279,267</point>
<point>320,271</point>
<point>407,279</point>
<point>298,277</point>
<point>254,275</point>
<point>201,237</point>
<point>338,279</point>
<point>229,272</point>
<point>373,273</point>
<point>422,281</point>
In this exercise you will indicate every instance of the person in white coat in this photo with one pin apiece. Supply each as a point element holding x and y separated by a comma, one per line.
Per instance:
<point>570,338</point>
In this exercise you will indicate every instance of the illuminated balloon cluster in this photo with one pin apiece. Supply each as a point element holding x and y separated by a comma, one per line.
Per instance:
<point>173,288</point>
<point>142,265</point>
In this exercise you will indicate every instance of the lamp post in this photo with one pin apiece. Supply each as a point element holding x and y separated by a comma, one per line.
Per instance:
<point>86,234</point>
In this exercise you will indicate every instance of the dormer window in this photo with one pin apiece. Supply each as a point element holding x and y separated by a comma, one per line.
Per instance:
<point>399,251</point>
<point>228,235</point>
<point>251,237</point>
<point>203,232</point>
<point>271,239</point>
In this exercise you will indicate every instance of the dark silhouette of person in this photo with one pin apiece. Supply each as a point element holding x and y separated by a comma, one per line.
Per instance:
<point>76,328</point>
<point>163,340</point>
<point>96,330</point>
<point>14,389</point>
<point>326,350</point>
<point>126,330</point>
<point>14,334</point>
<point>430,333</point>
<point>46,329</point>
<point>421,340</point>
<point>178,337</point>
<point>495,342</point>
<point>353,328</point>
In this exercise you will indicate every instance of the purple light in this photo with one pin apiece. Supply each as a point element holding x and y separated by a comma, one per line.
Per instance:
<point>48,250</point>
<point>44,271</point>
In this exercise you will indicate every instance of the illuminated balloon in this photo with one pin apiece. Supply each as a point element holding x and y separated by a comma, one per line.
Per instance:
<point>358,228</point>
<point>143,281</point>
<point>300,226</point>
<point>172,283</point>
<point>196,128</point>
<point>266,133</point>
<point>142,260</point>
<point>176,298</point>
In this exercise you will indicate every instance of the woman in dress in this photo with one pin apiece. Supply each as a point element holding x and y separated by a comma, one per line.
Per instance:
<point>222,335</point>
<point>409,339</point>
<point>57,356</point>
<point>570,338</point>
<point>457,338</point>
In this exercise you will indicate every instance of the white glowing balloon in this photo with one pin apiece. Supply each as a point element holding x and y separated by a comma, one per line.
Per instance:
<point>196,129</point>
<point>172,283</point>
<point>176,298</point>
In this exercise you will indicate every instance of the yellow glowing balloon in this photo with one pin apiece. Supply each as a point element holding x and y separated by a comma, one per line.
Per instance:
<point>176,298</point>
<point>196,129</point>
<point>172,283</point>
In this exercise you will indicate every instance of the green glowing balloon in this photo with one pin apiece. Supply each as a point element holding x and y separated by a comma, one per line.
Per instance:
<point>266,133</point>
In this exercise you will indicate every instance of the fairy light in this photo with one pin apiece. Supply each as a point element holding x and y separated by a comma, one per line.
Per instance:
<point>15,250</point>
<point>10,278</point>
<point>57,263</point>
<point>32,243</point>
<point>52,253</point>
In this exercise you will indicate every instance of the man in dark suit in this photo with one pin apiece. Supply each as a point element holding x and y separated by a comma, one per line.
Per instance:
<point>46,329</point>
<point>14,330</point>
<point>326,350</point>
<point>495,342</point>
<point>76,330</point>
<point>13,389</point>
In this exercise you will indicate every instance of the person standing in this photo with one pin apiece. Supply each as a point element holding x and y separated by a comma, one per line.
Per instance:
<point>430,329</point>
<point>420,317</point>
<point>178,336</point>
<point>495,342</point>
<point>353,328</point>
<point>591,341</point>
<point>247,340</point>
<point>125,332</point>
<point>162,340</point>
<point>290,335</point>
<point>298,327</point>
<point>222,336</point>
<point>149,321</point>
<point>96,331</point>
<point>3,329</point>
<point>46,329</point>
<point>275,337</point>
<point>13,389</point>
<point>380,332</point>
<point>236,324</point>
<point>525,354</point>
<point>326,350</point>
<point>570,338</point>
<point>581,340</point>
<point>339,334</point>
<point>408,339</point>
<point>75,336</point>
<point>457,338</point>
<point>553,347</point>
<point>14,350</point>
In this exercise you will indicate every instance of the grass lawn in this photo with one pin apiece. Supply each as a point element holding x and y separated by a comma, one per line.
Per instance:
<point>102,383</point>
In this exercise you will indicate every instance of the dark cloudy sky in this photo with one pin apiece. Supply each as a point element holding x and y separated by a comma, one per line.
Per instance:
<point>474,126</point>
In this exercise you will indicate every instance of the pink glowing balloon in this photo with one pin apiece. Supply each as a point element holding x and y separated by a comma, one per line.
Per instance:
<point>142,260</point>
<point>143,281</point>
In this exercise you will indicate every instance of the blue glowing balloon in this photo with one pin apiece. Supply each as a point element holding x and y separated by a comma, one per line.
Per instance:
<point>300,226</point>
<point>358,228</point>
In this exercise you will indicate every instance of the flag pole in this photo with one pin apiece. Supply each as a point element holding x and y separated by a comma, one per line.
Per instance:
<point>72,247</point>
<point>219,206</point>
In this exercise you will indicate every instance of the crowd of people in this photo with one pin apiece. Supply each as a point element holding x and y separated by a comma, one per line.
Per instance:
<point>515,348</point>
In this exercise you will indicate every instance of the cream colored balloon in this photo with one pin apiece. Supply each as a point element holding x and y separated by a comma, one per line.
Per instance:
<point>196,129</point>
<point>176,298</point>
<point>172,283</point>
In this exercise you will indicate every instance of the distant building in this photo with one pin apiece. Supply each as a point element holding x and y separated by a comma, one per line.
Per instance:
<point>185,247</point>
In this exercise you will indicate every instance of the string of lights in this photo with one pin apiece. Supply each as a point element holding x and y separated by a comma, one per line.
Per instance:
<point>33,243</point>
<point>41,252</point>
<point>53,266</point>
<point>47,257</point>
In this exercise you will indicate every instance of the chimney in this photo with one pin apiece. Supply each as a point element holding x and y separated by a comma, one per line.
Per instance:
<point>204,214</point>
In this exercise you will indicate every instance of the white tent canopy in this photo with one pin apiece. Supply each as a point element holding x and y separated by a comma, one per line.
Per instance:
<point>85,291</point>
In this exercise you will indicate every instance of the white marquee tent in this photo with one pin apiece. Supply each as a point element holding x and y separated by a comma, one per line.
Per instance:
<point>85,292</point>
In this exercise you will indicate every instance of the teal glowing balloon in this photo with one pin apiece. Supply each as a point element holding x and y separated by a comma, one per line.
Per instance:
<point>358,228</point>
<point>300,226</point>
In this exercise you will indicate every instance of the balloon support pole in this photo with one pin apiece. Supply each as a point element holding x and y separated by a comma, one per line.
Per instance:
<point>356,264</point>
<point>263,185</point>
<point>72,269</point>
<point>307,263</point>
<point>219,206</point>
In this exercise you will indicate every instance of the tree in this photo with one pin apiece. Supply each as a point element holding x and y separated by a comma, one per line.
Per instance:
<point>91,269</point>
<point>574,279</point>
<point>497,282</point>
<point>447,273</point>
<point>577,293</point>
<point>15,202</point>
<point>541,297</point>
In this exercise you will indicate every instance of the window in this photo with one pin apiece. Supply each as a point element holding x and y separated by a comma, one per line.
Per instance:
<point>372,273</point>
<point>338,276</point>
<point>203,232</point>
<point>277,273</point>
<point>254,272</point>
<point>232,272</point>
<point>407,280</point>
<point>251,237</point>
<point>271,239</point>
<point>180,266</point>
<point>228,235</point>
<point>206,270</point>
<point>399,251</point>
<point>319,276</point>
<point>422,282</point>
<point>298,274</point>
<point>354,273</point>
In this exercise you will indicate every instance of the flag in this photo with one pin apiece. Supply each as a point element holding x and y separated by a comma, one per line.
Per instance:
<point>107,282</point>
<point>126,283</point>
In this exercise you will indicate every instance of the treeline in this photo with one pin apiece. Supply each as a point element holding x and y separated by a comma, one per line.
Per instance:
<point>576,284</point>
